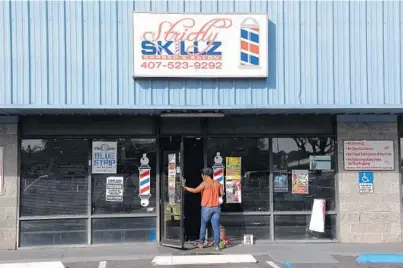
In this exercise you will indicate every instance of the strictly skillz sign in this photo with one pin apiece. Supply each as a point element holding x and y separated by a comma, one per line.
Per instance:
<point>200,45</point>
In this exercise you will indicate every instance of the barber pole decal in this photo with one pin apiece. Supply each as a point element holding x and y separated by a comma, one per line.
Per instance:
<point>218,169</point>
<point>144,181</point>
<point>219,175</point>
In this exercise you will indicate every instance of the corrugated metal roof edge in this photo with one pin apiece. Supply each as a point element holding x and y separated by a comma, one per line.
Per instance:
<point>207,107</point>
<point>71,110</point>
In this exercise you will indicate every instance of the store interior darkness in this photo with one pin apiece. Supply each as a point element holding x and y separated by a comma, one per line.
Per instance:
<point>193,164</point>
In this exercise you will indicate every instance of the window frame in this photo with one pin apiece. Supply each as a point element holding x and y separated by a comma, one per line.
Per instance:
<point>97,215</point>
<point>88,216</point>
<point>269,152</point>
<point>333,169</point>
<point>272,213</point>
<point>60,216</point>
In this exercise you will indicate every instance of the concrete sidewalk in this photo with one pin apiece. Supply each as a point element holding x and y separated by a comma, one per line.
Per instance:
<point>294,253</point>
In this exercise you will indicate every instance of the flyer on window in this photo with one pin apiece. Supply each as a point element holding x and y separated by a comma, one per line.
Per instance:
<point>104,157</point>
<point>233,192</point>
<point>171,178</point>
<point>233,168</point>
<point>233,171</point>
<point>300,181</point>
<point>114,189</point>
<point>281,183</point>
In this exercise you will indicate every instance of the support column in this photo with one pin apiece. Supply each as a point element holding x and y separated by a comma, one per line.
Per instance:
<point>376,217</point>
<point>8,200</point>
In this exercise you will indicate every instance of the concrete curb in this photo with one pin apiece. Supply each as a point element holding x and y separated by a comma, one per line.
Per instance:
<point>56,264</point>
<point>203,259</point>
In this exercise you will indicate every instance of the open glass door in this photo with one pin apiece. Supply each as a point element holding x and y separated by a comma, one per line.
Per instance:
<point>172,218</point>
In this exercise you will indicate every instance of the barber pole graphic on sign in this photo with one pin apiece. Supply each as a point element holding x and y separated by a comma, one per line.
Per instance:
<point>144,181</point>
<point>218,169</point>
<point>250,44</point>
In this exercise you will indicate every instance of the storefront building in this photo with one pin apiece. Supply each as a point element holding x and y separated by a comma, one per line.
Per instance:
<point>105,106</point>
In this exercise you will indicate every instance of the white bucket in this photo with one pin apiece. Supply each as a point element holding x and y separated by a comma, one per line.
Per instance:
<point>248,239</point>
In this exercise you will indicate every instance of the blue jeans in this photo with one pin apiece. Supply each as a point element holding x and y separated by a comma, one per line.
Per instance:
<point>210,214</point>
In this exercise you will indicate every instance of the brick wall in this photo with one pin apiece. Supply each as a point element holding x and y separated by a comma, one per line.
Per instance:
<point>8,201</point>
<point>369,218</point>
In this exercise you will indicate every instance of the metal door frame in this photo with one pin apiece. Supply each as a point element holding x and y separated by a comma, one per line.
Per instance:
<point>162,185</point>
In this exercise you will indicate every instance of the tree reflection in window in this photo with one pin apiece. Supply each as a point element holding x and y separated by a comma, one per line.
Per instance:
<point>294,154</point>
<point>290,150</point>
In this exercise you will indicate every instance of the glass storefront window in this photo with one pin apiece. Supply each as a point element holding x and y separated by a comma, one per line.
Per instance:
<point>129,153</point>
<point>312,155</point>
<point>54,177</point>
<point>121,230</point>
<point>53,232</point>
<point>54,181</point>
<point>294,227</point>
<point>255,170</point>
<point>236,226</point>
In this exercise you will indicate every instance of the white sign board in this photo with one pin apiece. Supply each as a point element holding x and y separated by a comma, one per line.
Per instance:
<point>114,189</point>
<point>104,157</point>
<point>200,45</point>
<point>368,155</point>
<point>320,162</point>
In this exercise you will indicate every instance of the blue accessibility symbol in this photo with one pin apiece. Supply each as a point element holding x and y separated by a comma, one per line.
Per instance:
<point>366,177</point>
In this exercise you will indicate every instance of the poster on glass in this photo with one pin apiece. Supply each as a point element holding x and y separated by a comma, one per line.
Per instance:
<point>104,157</point>
<point>233,180</point>
<point>171,178</point>
<point>300,181</point>
<point>114,189</point>
<point>281,183</point>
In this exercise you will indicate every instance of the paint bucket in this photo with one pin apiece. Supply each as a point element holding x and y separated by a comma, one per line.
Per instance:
<point>151,236</point>
<point>223,233</point>
<point>248,239</point>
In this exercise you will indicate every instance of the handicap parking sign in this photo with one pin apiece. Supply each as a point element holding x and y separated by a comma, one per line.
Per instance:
<point>366,181</point>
